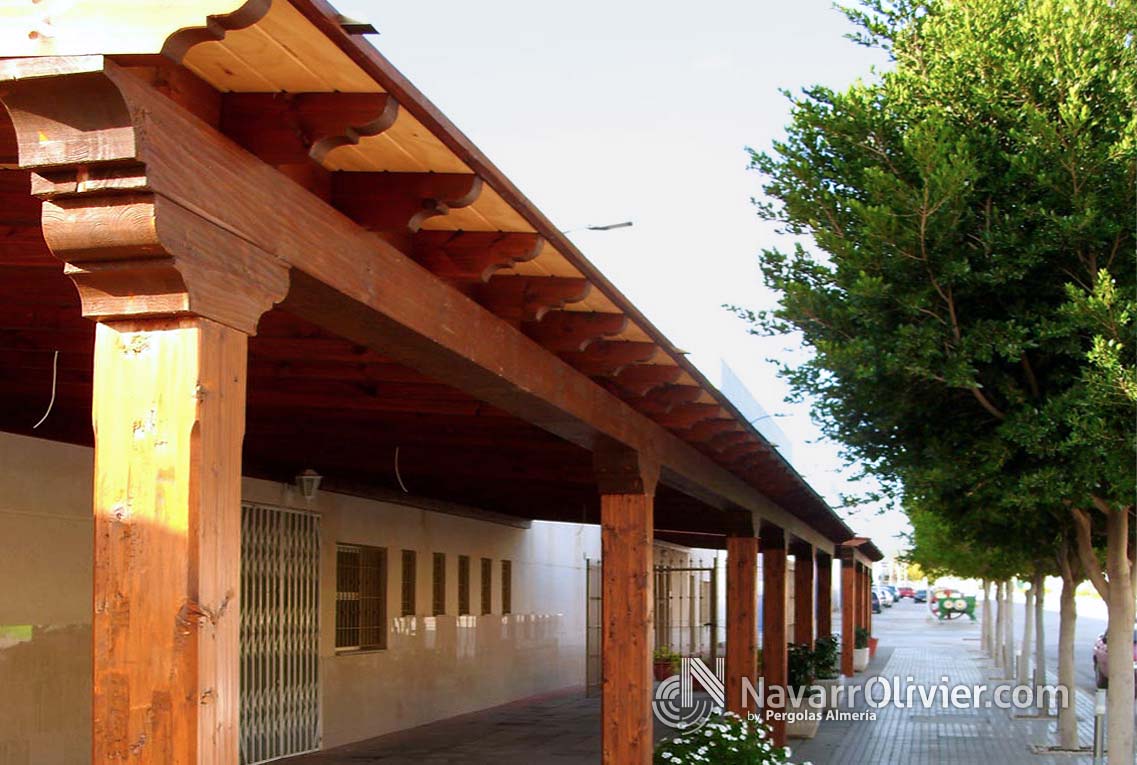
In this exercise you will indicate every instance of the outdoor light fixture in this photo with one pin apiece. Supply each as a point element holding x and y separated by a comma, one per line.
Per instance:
<point>308,482</point>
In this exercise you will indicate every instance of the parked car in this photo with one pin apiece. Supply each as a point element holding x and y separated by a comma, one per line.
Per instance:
<point>884,595</point>
<point>920,596</point>
<point>906,592</point>
<point>892,591</point>
<point>875,602</point>
<point>1101,660</point>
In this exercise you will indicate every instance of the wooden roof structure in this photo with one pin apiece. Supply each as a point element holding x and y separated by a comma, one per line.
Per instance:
<point>432,330</point>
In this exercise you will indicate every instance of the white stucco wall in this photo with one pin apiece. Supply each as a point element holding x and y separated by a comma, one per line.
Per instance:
<point>433,668</point>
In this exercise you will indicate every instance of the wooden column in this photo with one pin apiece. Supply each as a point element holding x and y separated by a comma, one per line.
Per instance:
<point>849,610</point>
<point>169,416</point>
<point>868,599</point>
<point>775,668</point>
<point>176,294</point>
<point>627,485</point>
<point>741,619</point>
<point>824,595</point>
<point>803,593</point>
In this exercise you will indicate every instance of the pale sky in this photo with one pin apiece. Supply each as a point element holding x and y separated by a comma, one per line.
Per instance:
<point>602,112</point>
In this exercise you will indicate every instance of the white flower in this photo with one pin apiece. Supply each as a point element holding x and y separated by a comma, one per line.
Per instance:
<point>788,751</point>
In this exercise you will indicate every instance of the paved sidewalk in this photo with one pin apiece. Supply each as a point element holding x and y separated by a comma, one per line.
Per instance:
<point>564,727</point>
<point>928,651</point>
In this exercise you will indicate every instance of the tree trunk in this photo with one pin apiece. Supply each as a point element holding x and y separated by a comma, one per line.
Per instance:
<point>1028,633</point>
<point>1009,634</point>
<point>1067,715</point>
<point>986,633</point>
<point>1000,625</point>
<point>1119,638</point>
<point>1040,635</point>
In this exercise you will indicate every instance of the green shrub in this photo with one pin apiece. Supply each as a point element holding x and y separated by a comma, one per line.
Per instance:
<point>826,655</point>
<point>861,639</point>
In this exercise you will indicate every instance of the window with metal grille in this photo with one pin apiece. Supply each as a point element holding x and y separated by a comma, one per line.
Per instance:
<point>361,597</point>
<point>410,558</point>
<point>463,585</point>
<point>487,585</point>
<point>506,587</point>
<point>439,584</point>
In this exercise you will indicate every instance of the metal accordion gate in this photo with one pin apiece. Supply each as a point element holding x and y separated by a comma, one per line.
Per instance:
<point>685,615</point>
<point>280,691</point>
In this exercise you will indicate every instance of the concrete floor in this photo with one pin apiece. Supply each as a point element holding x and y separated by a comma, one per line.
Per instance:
<point>564,727</point>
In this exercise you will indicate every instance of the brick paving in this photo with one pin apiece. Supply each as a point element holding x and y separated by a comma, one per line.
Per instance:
<point>564,727</point>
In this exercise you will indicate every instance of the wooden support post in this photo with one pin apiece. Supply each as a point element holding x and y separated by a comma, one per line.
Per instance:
<point>868,599</point>
<point>169,416</point>
<point>627,486</point>
<point>824,595</point>
<point>849,610</point>
<point>775,660</point>
<point>741,619</point>
<point>803,593</point>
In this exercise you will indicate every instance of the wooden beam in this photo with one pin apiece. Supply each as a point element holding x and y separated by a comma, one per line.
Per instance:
<point>169,415</point>
<point>775,658</point>
<point>741,621</point>
<point>848,610</point>
<point>627,486</point>
<point>344,279</point>
<point>824,598</point>
<point>472,257</point>
<point>803,594</point>
<point>574,331</point>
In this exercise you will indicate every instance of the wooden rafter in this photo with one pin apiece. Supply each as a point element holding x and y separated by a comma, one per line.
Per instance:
<point>520,299</point>
<point>605,358</point>
<point>571,331</point>
<point>472,257</point>
<point>401,201</point>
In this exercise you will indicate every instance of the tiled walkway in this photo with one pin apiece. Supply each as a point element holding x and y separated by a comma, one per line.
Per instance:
<point>927,651</point>
<point>564,727</point>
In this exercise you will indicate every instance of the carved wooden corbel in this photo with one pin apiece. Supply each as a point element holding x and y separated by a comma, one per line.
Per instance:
<point>132,240</point>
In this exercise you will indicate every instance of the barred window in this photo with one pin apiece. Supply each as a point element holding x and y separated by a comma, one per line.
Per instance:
<point>463,585</point>
<point>506,587</point>
<point>487,585</point>
<point>439,584</point>
<point>409,560</point>
<point>361,597</point>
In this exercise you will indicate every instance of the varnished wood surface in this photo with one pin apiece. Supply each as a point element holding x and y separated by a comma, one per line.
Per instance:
<point>168,414</point>
<point>626,550</point>
<point>741,619</point>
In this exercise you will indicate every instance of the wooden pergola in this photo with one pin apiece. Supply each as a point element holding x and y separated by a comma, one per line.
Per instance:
<point>246,245</point>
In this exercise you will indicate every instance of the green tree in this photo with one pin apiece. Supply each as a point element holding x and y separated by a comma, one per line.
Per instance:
<point>965,265</point>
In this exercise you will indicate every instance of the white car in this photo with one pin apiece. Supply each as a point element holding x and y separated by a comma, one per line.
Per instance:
<point>885,596</point>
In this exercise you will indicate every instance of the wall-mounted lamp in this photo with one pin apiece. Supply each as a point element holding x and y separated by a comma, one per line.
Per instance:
<point>308,482</point>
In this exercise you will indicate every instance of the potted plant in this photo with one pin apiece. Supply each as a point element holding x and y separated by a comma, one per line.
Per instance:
<point>664,663</point>
<point>725,738</point>
<point>861,649</point>
<point>826,663</point>
<point>804,716</point>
